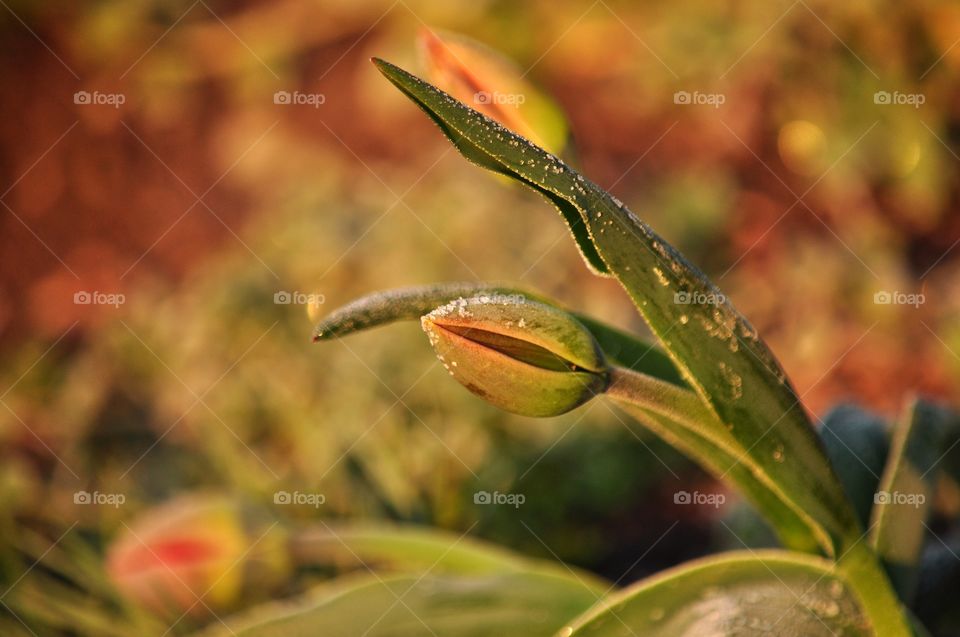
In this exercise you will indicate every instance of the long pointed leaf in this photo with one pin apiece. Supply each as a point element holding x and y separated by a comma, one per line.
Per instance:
<point>792,526</point>
<point>716,349</point>
<point>530,604</point>
<point>407,548</point>
<point>905,494</point>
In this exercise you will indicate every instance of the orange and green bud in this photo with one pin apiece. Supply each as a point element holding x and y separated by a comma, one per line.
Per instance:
<point>194,554</point>
<point>523,356</point>
<point>485,80</point>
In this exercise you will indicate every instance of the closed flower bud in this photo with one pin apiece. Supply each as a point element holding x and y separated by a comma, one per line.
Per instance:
<point>523,356</point>
<point>194,554</point>
<point>490,83</point>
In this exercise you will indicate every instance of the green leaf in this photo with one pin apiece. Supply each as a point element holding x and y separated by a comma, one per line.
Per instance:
<point>469,149</point>
<point>530,604</point>
<point>410,303</point>
<point>408,548</point>
<point>791,527</point>
<point>716,349</point>
<point>906,491</point>
<point>739,593</point>
<point>857,445</point>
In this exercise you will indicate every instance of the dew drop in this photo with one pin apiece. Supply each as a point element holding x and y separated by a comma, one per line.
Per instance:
<point>733,380</point>
<point>710,591</point>
<point>660,277</point>
<point>778,453</point>
<point>836,589</point>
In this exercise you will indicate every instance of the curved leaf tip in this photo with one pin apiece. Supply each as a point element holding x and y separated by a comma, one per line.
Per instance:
<point>427,97</point>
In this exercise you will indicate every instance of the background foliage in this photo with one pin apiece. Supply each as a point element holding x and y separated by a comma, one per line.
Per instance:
<point>200,382</point>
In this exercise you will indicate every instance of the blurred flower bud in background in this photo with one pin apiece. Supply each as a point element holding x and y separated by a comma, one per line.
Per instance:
<point>197,554</point>
<point>485,80</point>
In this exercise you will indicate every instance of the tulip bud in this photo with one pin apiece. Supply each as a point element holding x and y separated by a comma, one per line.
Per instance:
<point>488,82</point>
<point>192,554</point>
<point>523,356</point>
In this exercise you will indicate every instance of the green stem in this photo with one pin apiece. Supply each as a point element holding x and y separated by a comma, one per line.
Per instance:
<point>862,570</point>
<point>859,564</point>
<point>663,398</point>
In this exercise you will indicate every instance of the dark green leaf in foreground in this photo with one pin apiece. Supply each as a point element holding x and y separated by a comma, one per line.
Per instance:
<point>716,349</point>
<point>741,593</point>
